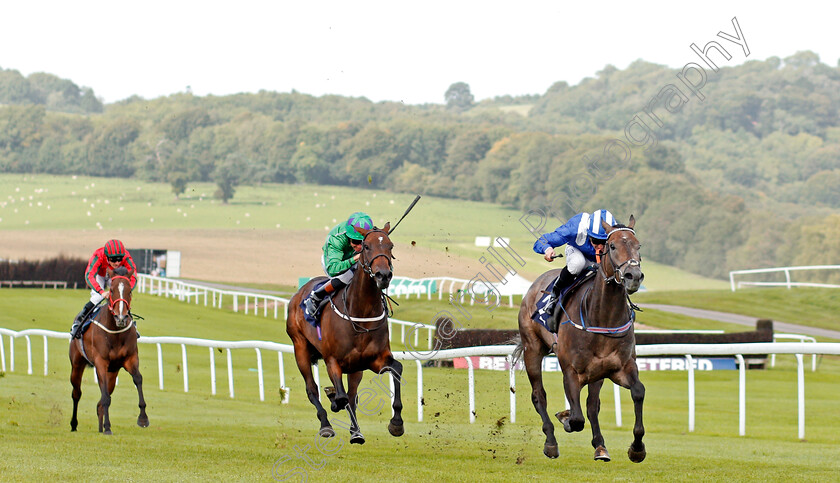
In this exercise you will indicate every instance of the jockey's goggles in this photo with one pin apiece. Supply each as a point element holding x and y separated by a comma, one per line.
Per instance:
<point>117,258</point>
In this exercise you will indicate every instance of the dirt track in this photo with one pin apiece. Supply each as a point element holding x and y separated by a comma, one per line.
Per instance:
<point>234,256</point>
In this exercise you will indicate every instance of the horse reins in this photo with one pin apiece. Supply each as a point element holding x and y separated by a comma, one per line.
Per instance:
<point>367,264</point>
<point>617,277</point>
<point>618,273</point>
<point>367,267</point>
<point>112,303</point>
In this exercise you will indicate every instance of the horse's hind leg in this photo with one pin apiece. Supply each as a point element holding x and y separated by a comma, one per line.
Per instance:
<point>132,366</point>
<point>533,366</point>
<point>76,373</point>
<point>303,358</point>
<point>353,381</point>
<point>593,407</point>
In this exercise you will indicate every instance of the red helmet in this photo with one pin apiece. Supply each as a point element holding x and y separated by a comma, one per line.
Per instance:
<point>114,250</point>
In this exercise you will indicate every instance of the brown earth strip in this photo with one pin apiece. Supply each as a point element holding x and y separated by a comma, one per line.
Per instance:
<point>232,256</point>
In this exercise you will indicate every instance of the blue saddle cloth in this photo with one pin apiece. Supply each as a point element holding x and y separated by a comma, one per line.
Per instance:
<point>544,310</point>
<point>315,321</point>
<point>86,323</point>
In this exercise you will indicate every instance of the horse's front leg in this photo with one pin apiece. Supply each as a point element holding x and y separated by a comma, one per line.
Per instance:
<point>107,383</point>
<point>572,418</point>
<point>593,407</point>
<point>396,426</point>
<point>132,366</point>
<point>338,396</point>
<point>637,452</point>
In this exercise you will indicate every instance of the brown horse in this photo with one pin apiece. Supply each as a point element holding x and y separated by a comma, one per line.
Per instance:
<point>353,335</point>
<point>108,345</point>
<point>594,341</point>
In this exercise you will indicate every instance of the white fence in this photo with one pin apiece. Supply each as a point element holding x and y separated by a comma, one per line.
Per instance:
<point>213,297</point>
<point>690,350</point>
<point>406,287</point>
<point>250,302</point>
<point>786,270</point>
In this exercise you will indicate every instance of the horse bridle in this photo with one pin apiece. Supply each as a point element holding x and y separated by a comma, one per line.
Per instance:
<point>367,264</point>
<point>113,302</point>
<point>618,273</point>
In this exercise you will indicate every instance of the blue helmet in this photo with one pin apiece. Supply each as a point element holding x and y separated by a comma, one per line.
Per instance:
<point>595,230</point>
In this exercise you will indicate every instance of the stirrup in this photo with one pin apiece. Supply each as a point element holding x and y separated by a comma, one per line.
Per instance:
<point>311,306</point>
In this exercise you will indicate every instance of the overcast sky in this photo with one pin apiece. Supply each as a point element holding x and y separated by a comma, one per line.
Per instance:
<point>384,50</point>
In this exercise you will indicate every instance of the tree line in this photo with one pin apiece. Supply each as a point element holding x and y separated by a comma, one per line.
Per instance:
<point>737,181</point>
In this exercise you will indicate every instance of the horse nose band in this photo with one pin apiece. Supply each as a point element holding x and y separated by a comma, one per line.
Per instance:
<point>618,270</point>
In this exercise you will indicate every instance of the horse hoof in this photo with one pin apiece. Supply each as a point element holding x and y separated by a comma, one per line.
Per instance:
<point>396,430</point>
<point>326,432</point>
<point>563,417</point>
<point>108,432</point>
<point>601,454</point>
<point>339,403</point>
<point>143,423</point>
<point>636,456</point>
<point>551,451</point>
<point>357,438</point>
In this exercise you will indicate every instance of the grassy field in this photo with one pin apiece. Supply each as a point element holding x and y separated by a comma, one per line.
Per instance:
<point>32,203</point>
<point>816,307</point>
<point>197,436</point>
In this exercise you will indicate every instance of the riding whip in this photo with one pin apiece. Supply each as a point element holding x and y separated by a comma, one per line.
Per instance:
<point>404,214</point>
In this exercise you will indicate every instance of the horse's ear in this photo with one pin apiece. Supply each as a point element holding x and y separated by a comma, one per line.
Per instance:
<point>606,226</point>
<point>109,272</point>
<point>387,228</point>
<point>131,273</point>
<point>361,231</point>
<point>632,222</point>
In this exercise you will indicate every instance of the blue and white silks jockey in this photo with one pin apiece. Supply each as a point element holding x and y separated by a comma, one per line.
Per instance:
<point>581,233</point>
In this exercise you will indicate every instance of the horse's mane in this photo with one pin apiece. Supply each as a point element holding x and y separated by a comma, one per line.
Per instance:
<point>619,225</point>
<point>121,271</point>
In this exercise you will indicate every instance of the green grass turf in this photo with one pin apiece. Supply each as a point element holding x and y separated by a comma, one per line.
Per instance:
<point>815,307</point>
<point>37,202</point>
<point>197,436</point>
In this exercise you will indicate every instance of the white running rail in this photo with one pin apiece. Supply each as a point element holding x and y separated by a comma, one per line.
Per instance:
<point>786,270</point>
<point>689,350</point>
<point>251,302</point>
<point>214,297</point>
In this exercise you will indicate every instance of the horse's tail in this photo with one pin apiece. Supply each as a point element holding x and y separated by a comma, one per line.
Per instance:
<point>518,351</point>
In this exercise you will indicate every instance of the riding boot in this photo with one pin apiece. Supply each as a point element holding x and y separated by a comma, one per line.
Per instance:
<point>76,330</point>
<point>565,279</point>
<point>314,300</point>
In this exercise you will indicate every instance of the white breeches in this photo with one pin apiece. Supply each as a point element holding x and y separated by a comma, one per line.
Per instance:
<point>344,277</point>
<point>96,297</point>
<point>575,261</point>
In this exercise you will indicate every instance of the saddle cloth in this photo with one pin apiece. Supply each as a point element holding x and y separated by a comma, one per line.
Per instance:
<point>545,305</point>
<point>86,323</point>
<point>315,321</point>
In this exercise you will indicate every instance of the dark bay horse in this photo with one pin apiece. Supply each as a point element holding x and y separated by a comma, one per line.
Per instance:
<point>595,340</point>
<point>354,335</point>
<point>109,344</point>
